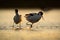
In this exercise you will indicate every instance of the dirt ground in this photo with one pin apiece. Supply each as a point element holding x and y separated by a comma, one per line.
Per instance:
<point>44,34</point>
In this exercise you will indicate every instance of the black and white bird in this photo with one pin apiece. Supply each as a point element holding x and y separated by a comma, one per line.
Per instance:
<point>17,18</point>
<point>33,17</point>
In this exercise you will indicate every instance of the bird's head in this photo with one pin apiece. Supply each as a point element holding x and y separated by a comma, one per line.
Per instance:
<point>16,10</point>
<point>41,14</point>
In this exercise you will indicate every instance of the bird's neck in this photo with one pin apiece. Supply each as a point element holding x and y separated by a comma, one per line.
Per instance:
<point>17,14</point>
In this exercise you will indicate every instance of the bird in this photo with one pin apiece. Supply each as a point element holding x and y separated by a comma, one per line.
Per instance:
<point>17,18</point>
<point>33,17</point>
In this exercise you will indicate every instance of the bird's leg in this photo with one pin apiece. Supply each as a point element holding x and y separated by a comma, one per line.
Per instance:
<point>13,26</point>
<point>17,27</point>
<point>27,23</point>
<point>31,26</point>
<point>20,25</point>
<point>42,18</point>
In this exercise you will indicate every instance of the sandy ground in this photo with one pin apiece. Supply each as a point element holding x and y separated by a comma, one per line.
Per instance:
<point>52,18</point>
<point>43,34</point>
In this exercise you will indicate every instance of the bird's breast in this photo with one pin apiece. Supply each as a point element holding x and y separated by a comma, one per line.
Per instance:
<point>17,19</point>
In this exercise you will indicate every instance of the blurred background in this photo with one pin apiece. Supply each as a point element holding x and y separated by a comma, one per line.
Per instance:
<point>50,8</point>
<point>48,29</point>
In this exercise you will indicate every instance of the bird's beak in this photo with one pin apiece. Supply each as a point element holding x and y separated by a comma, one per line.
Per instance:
<point>43,18</point>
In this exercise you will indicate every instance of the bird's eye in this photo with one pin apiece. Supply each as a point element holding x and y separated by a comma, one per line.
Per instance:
<point>40,13</point>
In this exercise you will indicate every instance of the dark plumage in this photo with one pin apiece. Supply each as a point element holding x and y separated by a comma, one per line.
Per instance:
<point>17,17</point>
<point>33,17</point>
